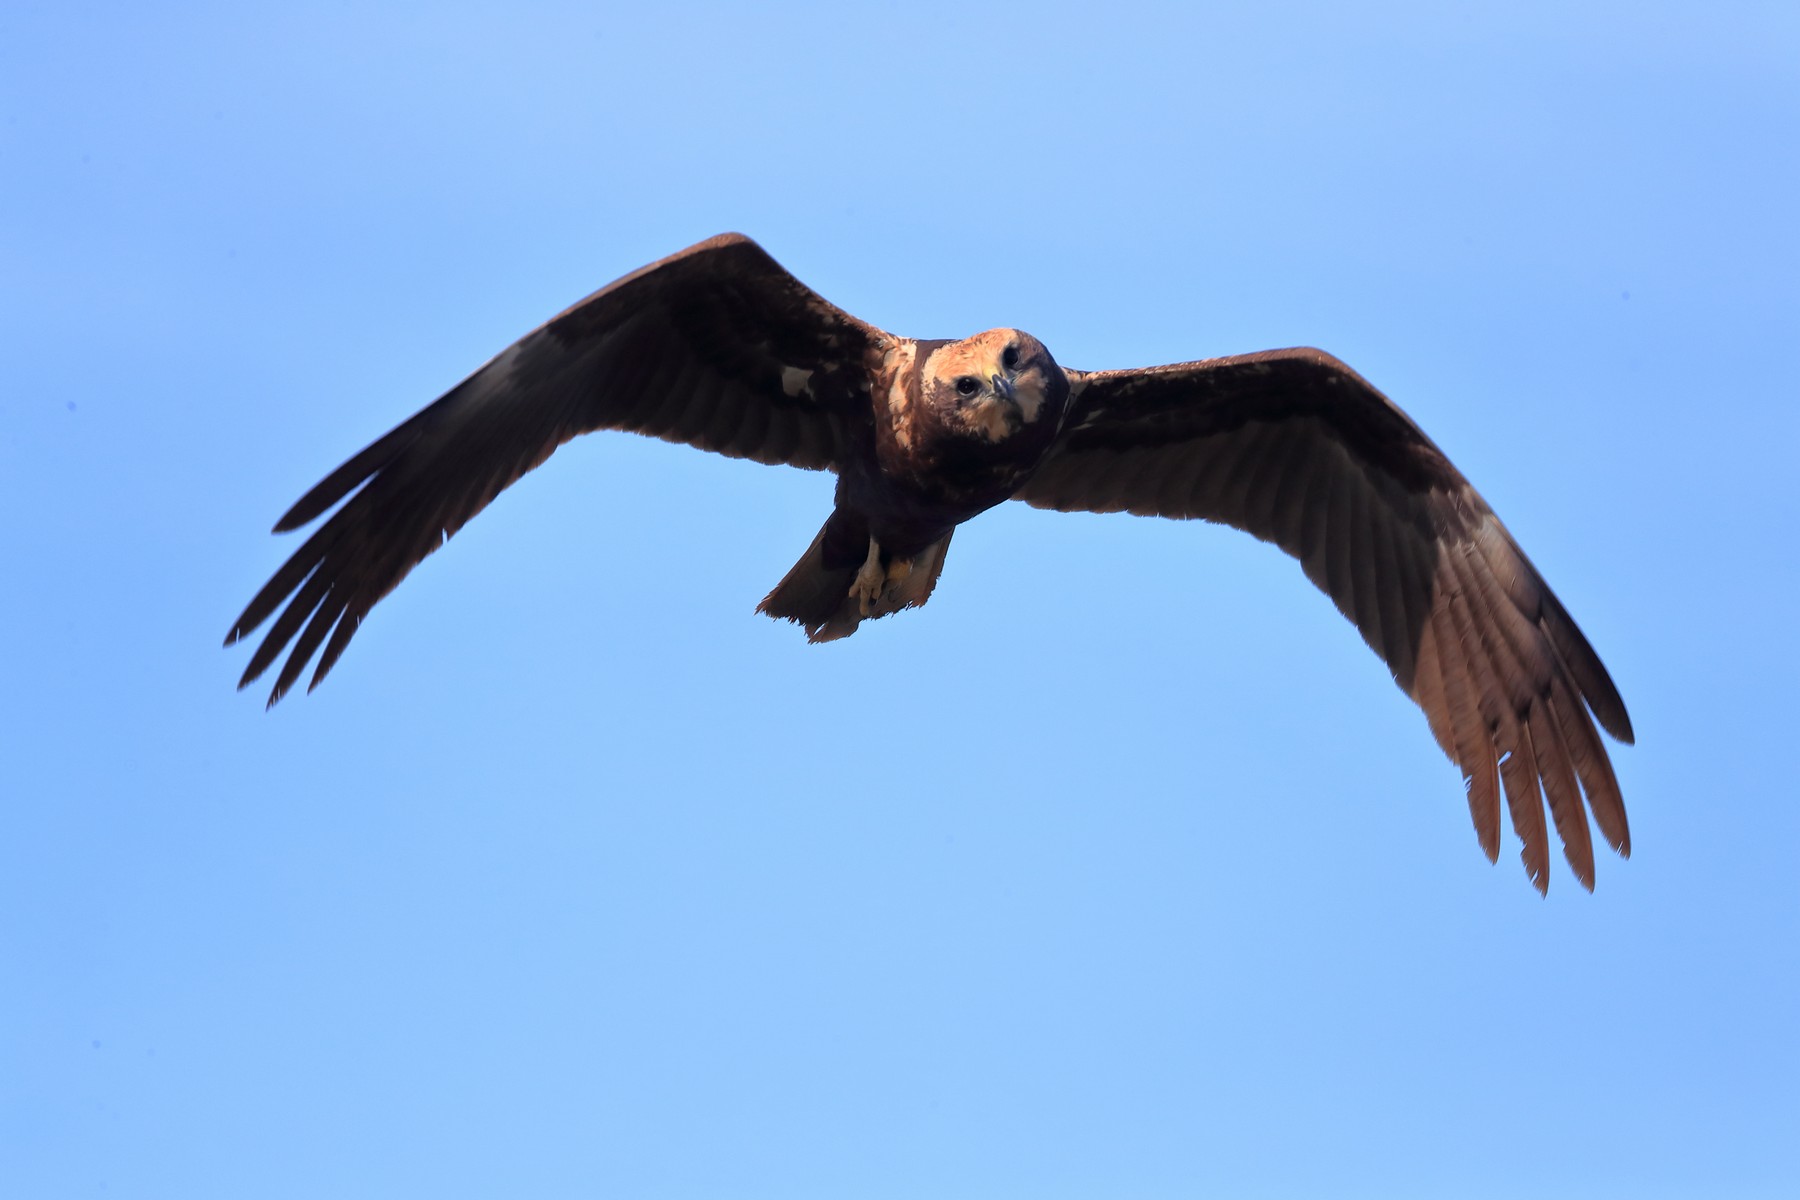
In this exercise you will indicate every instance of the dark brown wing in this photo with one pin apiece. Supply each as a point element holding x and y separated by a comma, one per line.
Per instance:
<point>1296,448</point>
<point>716,346</point>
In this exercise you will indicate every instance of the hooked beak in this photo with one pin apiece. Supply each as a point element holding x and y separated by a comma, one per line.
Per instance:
<point>1002,386</point>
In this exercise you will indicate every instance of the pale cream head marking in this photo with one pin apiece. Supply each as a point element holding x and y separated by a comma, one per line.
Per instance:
<point>899,403</point>
<point>994,382</point>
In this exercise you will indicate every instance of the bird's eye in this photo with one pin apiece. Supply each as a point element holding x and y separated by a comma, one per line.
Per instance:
<point>1009,358</point>
<point>967,385</point>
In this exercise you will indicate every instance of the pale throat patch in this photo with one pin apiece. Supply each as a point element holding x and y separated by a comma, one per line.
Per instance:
<point>989,417</point>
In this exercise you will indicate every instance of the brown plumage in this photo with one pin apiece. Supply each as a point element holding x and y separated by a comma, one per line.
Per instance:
<point>719,347</point>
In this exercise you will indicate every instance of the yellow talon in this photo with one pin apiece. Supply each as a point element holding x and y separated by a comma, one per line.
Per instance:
<point>873,583</point>
<point>871,580</point>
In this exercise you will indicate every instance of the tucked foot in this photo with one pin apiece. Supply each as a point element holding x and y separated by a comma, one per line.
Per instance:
<point>870,580</point>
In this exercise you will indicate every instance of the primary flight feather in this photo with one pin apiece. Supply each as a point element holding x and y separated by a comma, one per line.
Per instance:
<point>719,347</point>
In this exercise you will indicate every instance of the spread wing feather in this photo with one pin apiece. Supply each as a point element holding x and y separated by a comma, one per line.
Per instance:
<point>716,346</point>
<point>1297,449</point>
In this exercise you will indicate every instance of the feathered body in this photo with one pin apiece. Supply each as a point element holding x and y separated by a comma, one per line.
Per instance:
<point>955,428</point>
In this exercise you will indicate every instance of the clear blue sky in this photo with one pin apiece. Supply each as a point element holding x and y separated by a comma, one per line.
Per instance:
<point>1121,869</point>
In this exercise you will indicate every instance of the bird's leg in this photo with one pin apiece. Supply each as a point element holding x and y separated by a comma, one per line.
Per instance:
<point>870,579</point>
<point>874,583</point>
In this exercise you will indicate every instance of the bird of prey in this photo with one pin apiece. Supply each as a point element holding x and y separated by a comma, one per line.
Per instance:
<point>719,347</point>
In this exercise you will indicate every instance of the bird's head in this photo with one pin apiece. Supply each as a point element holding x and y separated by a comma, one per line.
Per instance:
<point>995,384</point>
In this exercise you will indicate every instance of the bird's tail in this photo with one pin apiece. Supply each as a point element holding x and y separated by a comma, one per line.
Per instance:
<point>817,592</point>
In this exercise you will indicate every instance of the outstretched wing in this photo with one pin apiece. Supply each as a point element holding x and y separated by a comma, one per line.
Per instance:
<point>716,346</point>
<point>1296,448</point>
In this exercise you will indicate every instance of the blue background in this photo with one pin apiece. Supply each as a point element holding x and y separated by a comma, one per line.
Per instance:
<point>1122,868</point>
